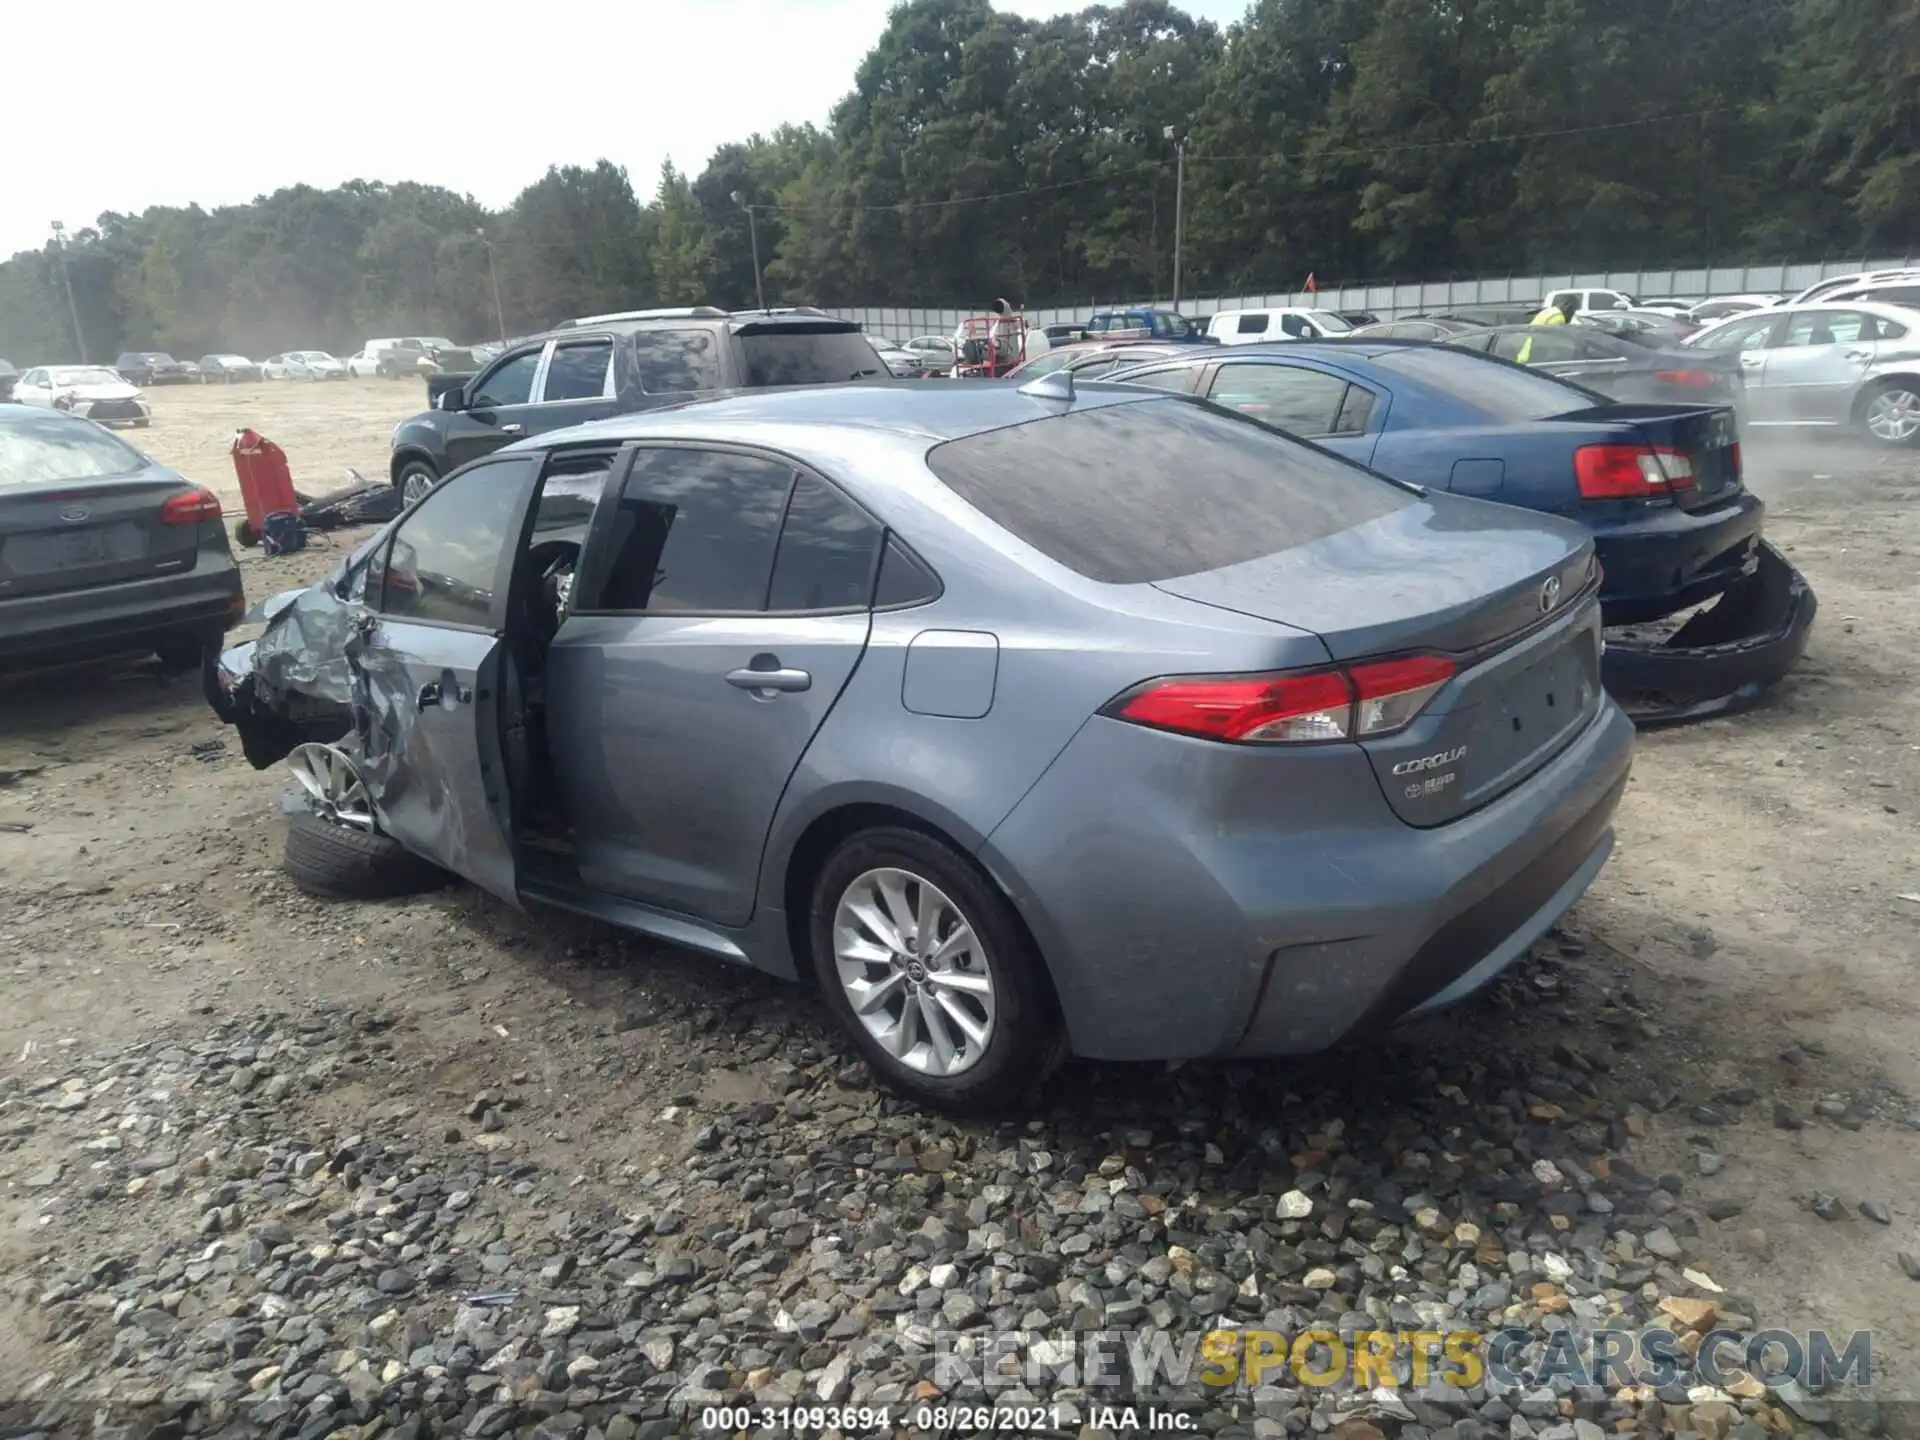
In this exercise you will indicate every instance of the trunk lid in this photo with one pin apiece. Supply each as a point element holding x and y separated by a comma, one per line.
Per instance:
<point>1507,594</point>
<point>73,534</point>
<point>1706,434</point>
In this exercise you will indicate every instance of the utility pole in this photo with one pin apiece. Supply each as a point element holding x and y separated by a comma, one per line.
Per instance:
<point>753,237</point>
<point>1179,204</point>
<point>66,281</point>
<point>493,273</point>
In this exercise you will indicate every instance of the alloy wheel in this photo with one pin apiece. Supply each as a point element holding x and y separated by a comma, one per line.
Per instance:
<point>1893,415</point>
<point>415,484</point>
<point>917,976</point>
<point>333,784</point>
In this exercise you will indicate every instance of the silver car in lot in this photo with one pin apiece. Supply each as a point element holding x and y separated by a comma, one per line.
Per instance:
<point>1853,365</point>
<point>1020,721</point>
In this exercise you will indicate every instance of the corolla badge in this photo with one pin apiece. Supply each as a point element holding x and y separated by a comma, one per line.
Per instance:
<point>1430,762</point>
<point>1550,594</point>
<point>74,514</point>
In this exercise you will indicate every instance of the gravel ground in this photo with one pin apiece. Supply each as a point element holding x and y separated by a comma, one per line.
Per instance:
<point>271,1165</point>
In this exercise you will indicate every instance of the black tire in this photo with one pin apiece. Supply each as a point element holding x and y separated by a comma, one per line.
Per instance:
<point>325,858</point>
<point>245,534</point>
<point>1027,1039</point>
<point>411,468</point>
<point>185,651</point>
<point>1866,401</point>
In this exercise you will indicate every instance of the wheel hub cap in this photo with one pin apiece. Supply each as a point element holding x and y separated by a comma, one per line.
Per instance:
<point>918,978</point>
<point>332,784</point>
<point>1894,415</point>
<point>416,485</point>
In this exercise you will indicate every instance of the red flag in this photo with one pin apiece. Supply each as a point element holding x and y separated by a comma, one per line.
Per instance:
<point>1312,287</point>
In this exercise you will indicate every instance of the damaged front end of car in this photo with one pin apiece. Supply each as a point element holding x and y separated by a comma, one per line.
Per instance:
<point>1716,659</point>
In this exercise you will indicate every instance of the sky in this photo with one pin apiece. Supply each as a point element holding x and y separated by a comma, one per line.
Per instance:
<point>217,101</point>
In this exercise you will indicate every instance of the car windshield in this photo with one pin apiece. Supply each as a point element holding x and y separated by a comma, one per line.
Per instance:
<point>85,375</point>
<point>1331,322</point>
<point>1504,392</point>
<point>311,355</point>
<point>37,446</point>
<point>1164,487</point>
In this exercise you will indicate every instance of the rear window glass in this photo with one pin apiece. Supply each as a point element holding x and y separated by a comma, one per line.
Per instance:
<point>800,357</point>
<point>34,448</point>
<point>1497,391</point>
<point>1132,493</point>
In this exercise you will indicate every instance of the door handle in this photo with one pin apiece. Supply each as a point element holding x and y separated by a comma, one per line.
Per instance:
<point>770,682</point>
<point>1859,354</point>
<point>513,427</point>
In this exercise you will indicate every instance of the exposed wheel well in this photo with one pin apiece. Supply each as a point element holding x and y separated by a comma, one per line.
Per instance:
<point>824,835</point>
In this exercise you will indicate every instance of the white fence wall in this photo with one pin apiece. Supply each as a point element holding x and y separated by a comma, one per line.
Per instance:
<point>1389,301</point>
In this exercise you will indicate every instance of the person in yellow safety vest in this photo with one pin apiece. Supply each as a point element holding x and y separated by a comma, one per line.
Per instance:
<point>1559,313</point>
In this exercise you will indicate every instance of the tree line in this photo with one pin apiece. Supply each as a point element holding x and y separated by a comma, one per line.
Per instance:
<point>980,154</point>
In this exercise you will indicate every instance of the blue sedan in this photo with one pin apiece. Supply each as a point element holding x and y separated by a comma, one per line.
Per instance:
<point>1658,485</point>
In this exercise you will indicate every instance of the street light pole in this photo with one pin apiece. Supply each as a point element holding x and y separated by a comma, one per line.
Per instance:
<point>66,281</point>
<point>493,273</point>
<point>1179,205</point>
<point>753,237</point>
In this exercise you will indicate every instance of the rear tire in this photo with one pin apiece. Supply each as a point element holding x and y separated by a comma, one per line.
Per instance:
<point>340,862</point>
<point>1024,1037</point>
<point>1890,414</point>
<point>245,534</point>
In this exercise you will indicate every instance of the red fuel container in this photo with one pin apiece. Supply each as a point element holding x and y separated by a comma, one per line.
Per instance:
<point>266,484</point>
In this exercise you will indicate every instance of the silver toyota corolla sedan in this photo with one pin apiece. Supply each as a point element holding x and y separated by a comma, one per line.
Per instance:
<point>1021,722</point>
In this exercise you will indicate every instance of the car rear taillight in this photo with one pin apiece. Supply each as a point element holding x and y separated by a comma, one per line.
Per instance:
<point>190,507</point>
<point>1630,472</point>
<point>1302,707</point>
<point>1688,379</point>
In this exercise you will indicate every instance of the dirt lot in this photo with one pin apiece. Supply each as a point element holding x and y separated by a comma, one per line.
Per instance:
<point>1732,1009</point>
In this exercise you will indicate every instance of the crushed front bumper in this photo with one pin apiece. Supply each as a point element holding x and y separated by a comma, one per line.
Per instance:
<point>1723,658</point>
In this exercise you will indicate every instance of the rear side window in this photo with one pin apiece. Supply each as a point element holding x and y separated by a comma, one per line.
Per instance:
<point>788,355</point>
<point>673,362</point>
<point>1252,323</point>
<point>1501,392</point>
<point>827,553</point>
<point>1160,488</point>
<point>1177,378</point>
<point>695,532</point>
<point>1305,402</point>
<point>579,372</point>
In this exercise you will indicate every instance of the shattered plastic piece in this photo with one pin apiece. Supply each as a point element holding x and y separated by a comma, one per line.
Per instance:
<point>1724,658</point>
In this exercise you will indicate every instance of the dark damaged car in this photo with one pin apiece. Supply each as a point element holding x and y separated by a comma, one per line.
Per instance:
<point>619,364</point>
<point>1021,724</point>
<point>1660,486</point>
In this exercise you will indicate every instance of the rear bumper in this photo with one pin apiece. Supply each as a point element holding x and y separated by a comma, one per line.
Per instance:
<point>1672,558</point>
<point>1264,934</point>
<point>49,629</point>
<point>1721,660</point>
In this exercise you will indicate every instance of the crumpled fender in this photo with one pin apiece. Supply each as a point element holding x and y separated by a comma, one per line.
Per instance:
<point>1724,658</point>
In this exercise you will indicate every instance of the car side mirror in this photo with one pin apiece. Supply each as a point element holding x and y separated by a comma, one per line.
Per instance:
<point>454,399</point>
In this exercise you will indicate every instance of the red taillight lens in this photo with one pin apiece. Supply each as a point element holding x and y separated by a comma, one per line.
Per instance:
<point>1630,472</point>
<point>1389,693</point>
<point>1306,707</point>
<point>190,507</point>
<point>1689,379</point>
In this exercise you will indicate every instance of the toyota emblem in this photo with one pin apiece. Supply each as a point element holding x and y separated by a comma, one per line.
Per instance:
<point>74,514</point>
<point>1550,594</point>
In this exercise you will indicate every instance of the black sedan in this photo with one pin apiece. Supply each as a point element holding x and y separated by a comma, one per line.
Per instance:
<point>102,551</point>
<point>1615,366</point>
<point>154,367</point>
<point>227,369</point>
<point>1414,327</point>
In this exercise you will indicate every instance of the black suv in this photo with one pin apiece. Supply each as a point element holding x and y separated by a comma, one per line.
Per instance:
<point>154,367</point>
<point>615,364</point>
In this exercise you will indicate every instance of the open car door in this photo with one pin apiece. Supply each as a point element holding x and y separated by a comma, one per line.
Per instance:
<point>436,674</point>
